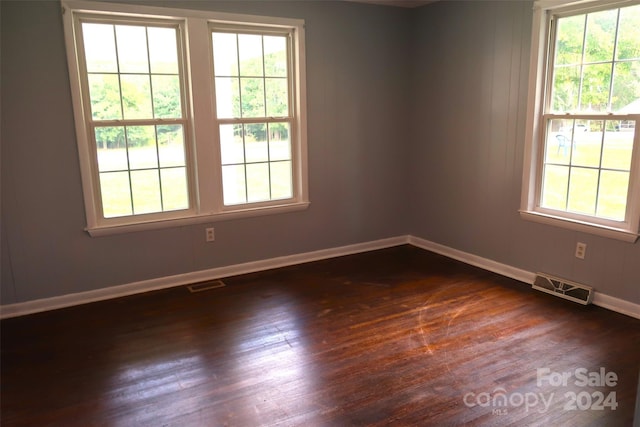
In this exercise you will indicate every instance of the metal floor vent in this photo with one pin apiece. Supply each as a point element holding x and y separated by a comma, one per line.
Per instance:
<point>205,286</point>
<point>562,288</point>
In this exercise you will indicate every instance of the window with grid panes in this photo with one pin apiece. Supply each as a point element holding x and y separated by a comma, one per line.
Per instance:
<point>252,82</point>
<point>136,122</point>
<point>582,165</point>
<point>185,116</point>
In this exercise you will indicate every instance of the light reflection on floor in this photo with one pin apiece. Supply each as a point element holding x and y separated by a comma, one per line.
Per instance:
<point>272,355</point>
<point>265,361</point>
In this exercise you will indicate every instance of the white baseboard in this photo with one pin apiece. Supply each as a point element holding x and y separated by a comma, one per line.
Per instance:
<point>602,300</point>
<point>475,260</point>
<point>616,304</point>
<point>45,304</point>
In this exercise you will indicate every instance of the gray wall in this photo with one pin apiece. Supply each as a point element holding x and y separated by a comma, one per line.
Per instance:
<point>416,126</point>
<point>471,62</point>
<point>357,156</point>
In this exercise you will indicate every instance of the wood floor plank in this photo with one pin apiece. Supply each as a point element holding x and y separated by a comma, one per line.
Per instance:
<point>397,336</point>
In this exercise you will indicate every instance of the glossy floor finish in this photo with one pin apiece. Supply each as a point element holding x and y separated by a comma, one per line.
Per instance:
<point>398,336</point>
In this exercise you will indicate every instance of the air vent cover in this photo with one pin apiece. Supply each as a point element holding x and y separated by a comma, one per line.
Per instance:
<point>205,286</point>
<point>563,288</point>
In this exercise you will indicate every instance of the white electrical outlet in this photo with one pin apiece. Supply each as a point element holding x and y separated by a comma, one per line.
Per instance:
<point>581,250</point>
<point>210,235</point>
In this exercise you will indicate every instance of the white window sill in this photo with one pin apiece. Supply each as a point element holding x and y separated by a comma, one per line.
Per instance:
<point>584,227</point>
<point>111,229</point>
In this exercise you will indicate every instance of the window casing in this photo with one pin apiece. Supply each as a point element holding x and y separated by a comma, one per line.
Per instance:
<point>582,155</point>
<point>154,141</point>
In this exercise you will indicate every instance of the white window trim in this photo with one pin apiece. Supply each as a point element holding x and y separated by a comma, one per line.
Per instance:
<point>529,210</point>
<point>206,180</point>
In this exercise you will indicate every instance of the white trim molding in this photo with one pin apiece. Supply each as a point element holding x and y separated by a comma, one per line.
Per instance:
<point>46,304</point>
<point>475,260</point>
<point>616,304</point>
<point>602,300</point>
<point>20,309</point>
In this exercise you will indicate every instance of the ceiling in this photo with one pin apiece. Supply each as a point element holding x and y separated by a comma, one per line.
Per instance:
<point>398,3</point>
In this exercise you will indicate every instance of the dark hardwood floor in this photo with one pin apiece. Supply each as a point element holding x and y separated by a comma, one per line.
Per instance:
<point>399,336</point>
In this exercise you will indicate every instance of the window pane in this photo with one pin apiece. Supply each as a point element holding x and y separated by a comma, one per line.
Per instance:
<point>252,92</point>
<point>234,184</point>
<point>255,143</point>
<point>628,38</point>
<point>227,97</point>
<point>258,182</point>
<point>281,186</point>
<point>618,146</point>
<point>174,189</point>
<point>626,87</point>
<point>145,188</point>
<point>99,48</point>
<point>277,101</point>
<point>275,56</point>
<point>566,89</point>
<point>583,185</point>
<point>231,144</point>
<point>569,38</point>
<point>116,194</point>
<point>587,145</point>
<point>596,81</point>
<point>141,142</point>
<point>136,96</point>
<point>104,92</point>
<point>558,149</point>
<point>171,145</point>
<point>279,143</point>
<point>132,49</point>
<point>225,54</point>
<point>166,97</point>
<point>558,144</point>
<point>554,187</point>
<point>163,51</point>
<point>601,35</point>
<point>111,149</point>
<point>250,51</point>
<point>612,196</point>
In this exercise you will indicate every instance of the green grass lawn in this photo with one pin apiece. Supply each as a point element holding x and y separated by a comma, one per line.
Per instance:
<point>145,180</point>
<point>158,178</point>
<point>590,177</point>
